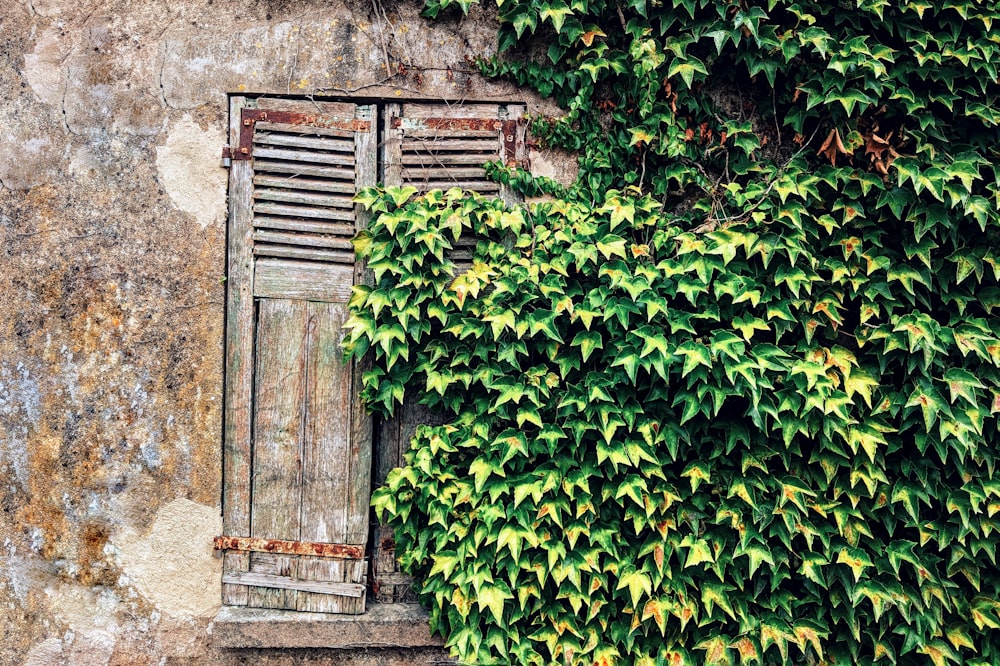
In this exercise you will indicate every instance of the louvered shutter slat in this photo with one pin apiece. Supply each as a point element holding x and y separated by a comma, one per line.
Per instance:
<point>298,196</point>
<point>321,212</point>
<point>304,184</point>
<point>302,141</point>
<point>310,226</point>
<point>302,169</point>
<point>303,253</point>
<point>314,157</point>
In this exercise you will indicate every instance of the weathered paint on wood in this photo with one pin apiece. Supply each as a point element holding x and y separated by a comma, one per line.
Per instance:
<point>239,362</point>
<point>310,157</point>
<point>339,575</point>
<point>298,182</point>
<point>325,447</point>
<point>289,195</point>
<point>283,278</point>
<point>359,495</point>
<point>279,419</point>
<point>271,565</point>
<point>288,583</point>
<point>306,253</point>
<point>311,447</point>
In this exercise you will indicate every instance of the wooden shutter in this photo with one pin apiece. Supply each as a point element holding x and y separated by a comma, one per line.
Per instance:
<point>297,450</point>
<point>440,146</point>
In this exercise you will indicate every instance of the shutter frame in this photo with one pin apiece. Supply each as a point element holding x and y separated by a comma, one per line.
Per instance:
<point>266,570</point>
<point>447,125</point>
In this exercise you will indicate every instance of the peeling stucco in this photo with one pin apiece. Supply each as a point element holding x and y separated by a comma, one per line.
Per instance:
<point>173,565</point>
<point>188,168</point>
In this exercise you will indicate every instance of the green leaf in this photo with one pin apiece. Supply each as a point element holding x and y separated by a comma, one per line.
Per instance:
<point>757,554</point>
<point>612,246</point>
<point>962,384</point>
<point>698,473</point>
<point>493,597</point>
<point>856,559</point>
<point>400,195</point>
<point>694,354</point>
<point>930,402</point>
<point>687,69</point>
<point>638,584</point>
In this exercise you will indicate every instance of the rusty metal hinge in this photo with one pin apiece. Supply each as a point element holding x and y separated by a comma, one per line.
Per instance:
<point>227,156</point>
<point>250,117</point>
<point>282,547</point>
<point>507,129</point>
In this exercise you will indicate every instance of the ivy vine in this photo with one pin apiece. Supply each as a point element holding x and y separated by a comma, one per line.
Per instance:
<point>732,396</point>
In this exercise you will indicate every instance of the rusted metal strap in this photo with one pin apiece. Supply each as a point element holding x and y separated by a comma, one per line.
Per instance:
<point>280,547</point>
<point>508,129</point>
<point>250,117</point>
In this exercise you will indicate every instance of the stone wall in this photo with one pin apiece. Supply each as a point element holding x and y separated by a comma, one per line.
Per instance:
<point>112,261</point>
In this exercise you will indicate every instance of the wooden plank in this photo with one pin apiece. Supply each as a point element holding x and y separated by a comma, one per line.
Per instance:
<point>480,186</point>
<point>238,391</point>
<point>302,211</point>
<point>293,181</point>
<point>279,547</point>
<point>306,253</point>
<point>430,159</point>
<point>310,157</point>
<point>311,226</point>
<point>298,169</point>
<point>392,143</point>
<point>289,583</point>
<point>350,573</point>
<point>515,112</point>
<point>326,450</point>
<point>305,240</point>
<point>446,142</point>
<point>265,126</point>
<point>264,596</point>
<point>394,441</point>
<point>464,173</point>
<point>235,563</point>
<point>361,422</point>
<point>298,140</point>
<point>280,394</point>
<point>290,195</point>
<point>450,110</point>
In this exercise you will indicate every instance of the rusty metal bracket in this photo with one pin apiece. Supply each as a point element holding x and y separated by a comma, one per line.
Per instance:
<point>507,129</point>
<point>280,547</point>
<point>250,117</point>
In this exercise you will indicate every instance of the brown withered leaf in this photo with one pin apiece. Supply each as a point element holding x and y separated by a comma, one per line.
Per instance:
<point>832,146</point>
<point>880,151</point>
<point>876,146</point>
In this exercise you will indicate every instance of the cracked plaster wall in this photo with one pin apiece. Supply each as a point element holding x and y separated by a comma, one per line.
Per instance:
<point>112,248</point>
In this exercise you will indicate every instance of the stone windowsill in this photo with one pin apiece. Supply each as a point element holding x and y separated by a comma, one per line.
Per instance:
<point>382,626</point>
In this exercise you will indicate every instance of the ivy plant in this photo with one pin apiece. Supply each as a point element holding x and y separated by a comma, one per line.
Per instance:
<point>732,397</point>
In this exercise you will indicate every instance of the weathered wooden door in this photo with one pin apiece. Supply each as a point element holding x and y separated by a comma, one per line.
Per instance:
<point>297,451</point>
